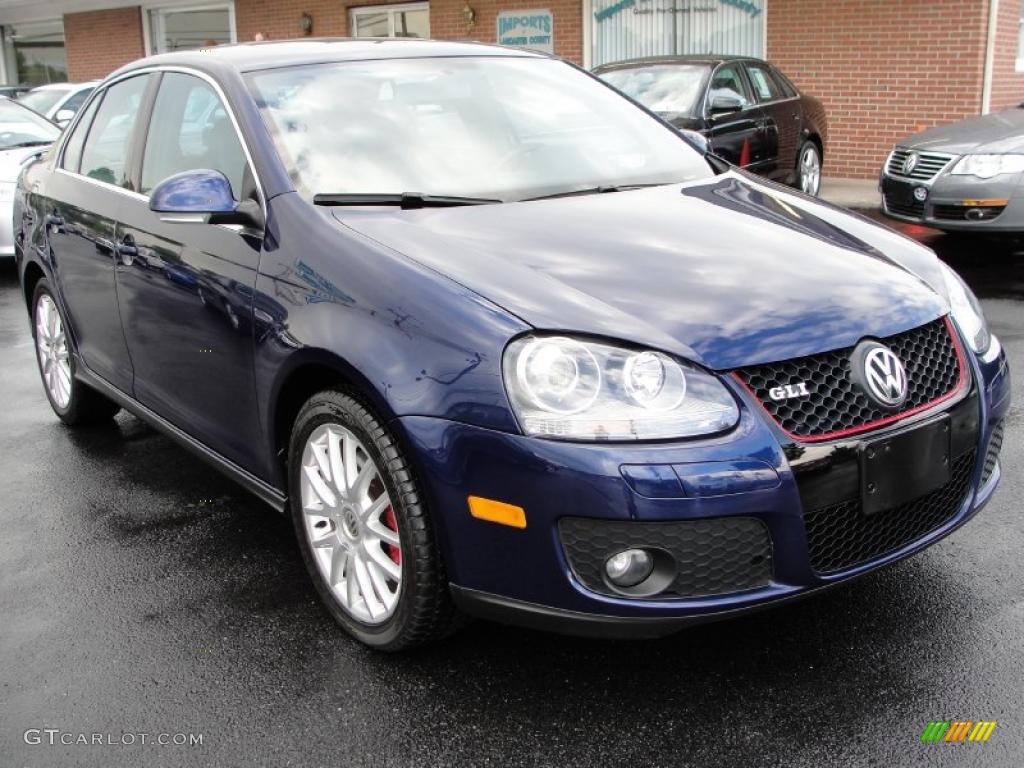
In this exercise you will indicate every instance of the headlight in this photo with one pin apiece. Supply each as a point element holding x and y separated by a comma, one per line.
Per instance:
<point>987,166</point>
<point>967,312</point>
<point>580,390</point>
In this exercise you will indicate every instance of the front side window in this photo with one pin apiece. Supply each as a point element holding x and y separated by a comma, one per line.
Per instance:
<point>497,127</point>
<point>764,84</point>
<point>728,81</point>
<point>104,156</point>
<point>76,101</point>
<point>191,129</point>
<point>668,89</point>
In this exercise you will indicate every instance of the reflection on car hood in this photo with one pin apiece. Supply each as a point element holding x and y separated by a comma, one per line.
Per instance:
<point>999,132</point>
<point>11,160</point>
<point>728,271</point>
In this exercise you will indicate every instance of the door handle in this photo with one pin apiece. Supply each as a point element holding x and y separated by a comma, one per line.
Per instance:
<point>127,251</point>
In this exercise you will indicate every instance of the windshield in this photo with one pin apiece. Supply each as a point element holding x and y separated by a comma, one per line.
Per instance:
<point>42,99</point>
<point>668,89</point>
<point>20,127</point>
<point>505,128</point>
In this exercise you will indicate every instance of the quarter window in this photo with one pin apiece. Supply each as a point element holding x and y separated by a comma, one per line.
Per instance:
<point>73,150</point>
<point>191,129</point>
<point>104,157</point>
<point>764,84</point>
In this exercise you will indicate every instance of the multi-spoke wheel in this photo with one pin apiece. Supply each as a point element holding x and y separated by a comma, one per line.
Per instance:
<point>70,399</point>
<point>808,169</point>
<point>365,536</point>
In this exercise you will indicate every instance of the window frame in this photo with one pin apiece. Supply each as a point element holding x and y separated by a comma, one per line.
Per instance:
<point>155,12</point>
<point>390,9</point>
<point>744,78</point>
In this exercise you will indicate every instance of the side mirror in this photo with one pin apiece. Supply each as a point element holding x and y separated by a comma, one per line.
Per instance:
<point>721,105</point>
<point>203,197</point>
<point>63,117</point>
<point>698,140</point>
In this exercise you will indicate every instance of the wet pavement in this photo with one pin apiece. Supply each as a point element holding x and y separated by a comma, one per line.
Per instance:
<point>140,592</point>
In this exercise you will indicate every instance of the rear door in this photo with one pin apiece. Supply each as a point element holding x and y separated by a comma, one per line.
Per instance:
<point>185,288</point>
<point>735,136</point>
<point>84,199</point>
<point>782,119</point>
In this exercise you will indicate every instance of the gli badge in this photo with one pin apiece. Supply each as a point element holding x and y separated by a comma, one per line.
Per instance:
<point>788,391</point>
<point>879,372</point>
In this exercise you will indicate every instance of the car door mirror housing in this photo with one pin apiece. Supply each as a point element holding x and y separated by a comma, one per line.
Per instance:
<point>697,139</point>
<point>203,196</point>
<point>63,116</point>
<point>721,105</point>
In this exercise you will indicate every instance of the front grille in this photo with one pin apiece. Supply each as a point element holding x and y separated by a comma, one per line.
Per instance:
<point>995,445</point>
<point>841,536</point>
<point>836,403</point>
<point>912,209</point>
<point>928,166</point>
<point>713,556</point>
<point>960,213</point>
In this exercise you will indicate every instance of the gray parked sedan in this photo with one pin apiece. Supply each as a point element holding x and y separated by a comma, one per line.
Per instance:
<point>960,177</point>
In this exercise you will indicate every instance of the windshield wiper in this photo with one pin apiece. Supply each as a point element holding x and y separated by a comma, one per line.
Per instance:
<point>36,143</point>
<point>404,200</point>
<point>602,190</point>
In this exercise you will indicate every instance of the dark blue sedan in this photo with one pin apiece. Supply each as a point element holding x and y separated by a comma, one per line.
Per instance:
<point>499,340</point>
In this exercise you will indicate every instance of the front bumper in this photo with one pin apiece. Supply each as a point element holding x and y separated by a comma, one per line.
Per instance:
<point>526,576</point>
<point>992,205</point>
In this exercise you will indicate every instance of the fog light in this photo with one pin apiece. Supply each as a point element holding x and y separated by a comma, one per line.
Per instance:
<point>629,567</point>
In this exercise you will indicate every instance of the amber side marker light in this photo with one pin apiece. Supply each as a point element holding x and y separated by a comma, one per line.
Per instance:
<point>497,512</point>
<point>982,203</point>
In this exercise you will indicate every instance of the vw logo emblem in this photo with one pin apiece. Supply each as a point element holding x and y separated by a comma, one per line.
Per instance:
<point>909,163</point>
<point>880,373</point>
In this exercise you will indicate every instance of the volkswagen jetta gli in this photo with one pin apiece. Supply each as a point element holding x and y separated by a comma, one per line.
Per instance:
<point>500,341</point>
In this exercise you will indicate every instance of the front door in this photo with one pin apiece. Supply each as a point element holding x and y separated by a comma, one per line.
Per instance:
<point>185,288</point>
<point>84,201</point>
<point>782,120</point>
<point>735,136</point>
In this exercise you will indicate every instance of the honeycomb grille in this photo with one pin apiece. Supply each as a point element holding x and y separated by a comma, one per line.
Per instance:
<point>713,556</point>
<point>842,536</point>
<point>836,403</point>
<point>995,444</point>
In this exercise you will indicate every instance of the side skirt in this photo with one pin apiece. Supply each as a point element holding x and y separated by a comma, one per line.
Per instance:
<point>246,479</point>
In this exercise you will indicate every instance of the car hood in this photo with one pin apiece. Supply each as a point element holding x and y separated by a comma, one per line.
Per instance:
<point>727,271</point>
<point>11,160</point>
<point>999,132</point>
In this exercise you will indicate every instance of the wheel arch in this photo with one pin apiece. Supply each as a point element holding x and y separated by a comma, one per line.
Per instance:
<point>30,279</point>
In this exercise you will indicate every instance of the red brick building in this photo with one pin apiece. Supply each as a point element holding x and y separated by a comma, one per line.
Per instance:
<point>884,68</point>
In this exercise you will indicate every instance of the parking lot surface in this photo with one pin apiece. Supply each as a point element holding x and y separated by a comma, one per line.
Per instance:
<point>142,593</point>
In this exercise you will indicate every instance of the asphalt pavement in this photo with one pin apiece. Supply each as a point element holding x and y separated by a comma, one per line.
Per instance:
<point>142,593</point>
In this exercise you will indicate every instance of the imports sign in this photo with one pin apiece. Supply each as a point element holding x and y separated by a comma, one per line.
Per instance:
<point>527,29</point>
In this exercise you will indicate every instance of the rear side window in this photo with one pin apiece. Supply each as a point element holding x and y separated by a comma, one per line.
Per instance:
<point>73,150</point>
<point>105,156</point>
<point>784,85</point>
<point>191,129</point>
<point>764,84</point>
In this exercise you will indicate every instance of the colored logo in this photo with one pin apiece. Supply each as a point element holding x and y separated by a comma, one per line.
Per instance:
<point>958,730</point>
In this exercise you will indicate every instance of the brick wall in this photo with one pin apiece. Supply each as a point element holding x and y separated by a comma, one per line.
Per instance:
<point>1007,83</point>
<point>98,42</point>
<point>884,69</point>
<point>279,19</point>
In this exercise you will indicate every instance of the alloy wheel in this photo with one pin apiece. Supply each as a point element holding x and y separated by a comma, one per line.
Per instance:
<point>810,170</point>
<point>52,348</point>
<point>350,524</point>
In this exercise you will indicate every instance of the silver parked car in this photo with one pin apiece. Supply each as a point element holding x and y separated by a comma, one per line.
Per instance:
<point>58,101</point>
<point>23,134</point>
<point>960,177</point>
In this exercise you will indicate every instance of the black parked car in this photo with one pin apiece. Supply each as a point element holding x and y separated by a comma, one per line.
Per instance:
<point>749,112</point>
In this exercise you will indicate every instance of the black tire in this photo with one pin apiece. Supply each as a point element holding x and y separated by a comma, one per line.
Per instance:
<point>424,611</point>
<point>85,405</point>
<point>805,148</point>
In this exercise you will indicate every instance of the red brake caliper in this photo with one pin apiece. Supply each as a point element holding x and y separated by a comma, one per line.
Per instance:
<point>392,522</point>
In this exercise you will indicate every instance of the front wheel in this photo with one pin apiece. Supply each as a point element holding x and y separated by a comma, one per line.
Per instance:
<point>364,533</point>
<point>72,401</point>
<point>808,169</point>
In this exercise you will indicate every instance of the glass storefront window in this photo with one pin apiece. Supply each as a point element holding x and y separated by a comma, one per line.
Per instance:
<point>408,20</point>
<point>183,29</point>
<point>627,29</point>
<point>38,54</point>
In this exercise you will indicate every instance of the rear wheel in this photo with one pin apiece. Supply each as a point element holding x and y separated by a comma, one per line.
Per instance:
<point>808,169</point>
<point>72,401</point>
<point>364,533</point>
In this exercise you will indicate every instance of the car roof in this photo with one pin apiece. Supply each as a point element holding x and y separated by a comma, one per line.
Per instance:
<point>679,59</point>
<point>247,57</point>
